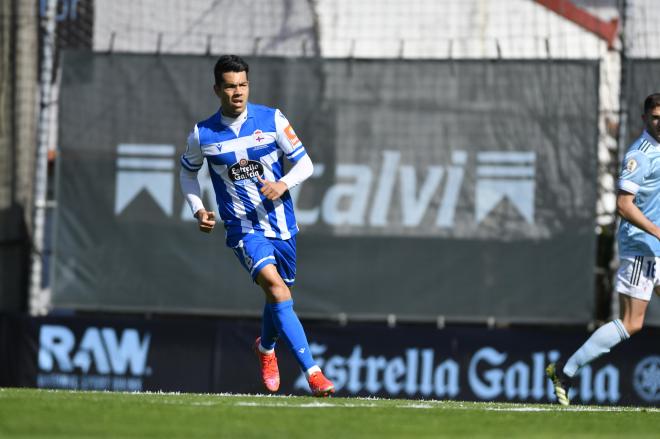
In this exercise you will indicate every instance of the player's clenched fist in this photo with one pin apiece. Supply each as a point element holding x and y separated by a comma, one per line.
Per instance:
<point>272,189</point>
<point>205,220</point>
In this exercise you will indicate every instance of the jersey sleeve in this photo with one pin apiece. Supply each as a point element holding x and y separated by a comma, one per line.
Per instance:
<point>635,169</point>
<point>192,159</point>
<point>301,171</point>
<point>287,140</point>
<point>191,162</point>
<point>191,190</point>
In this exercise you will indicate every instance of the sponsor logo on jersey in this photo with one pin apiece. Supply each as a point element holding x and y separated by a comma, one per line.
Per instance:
<point>292,136</point>
<point>245,170</point>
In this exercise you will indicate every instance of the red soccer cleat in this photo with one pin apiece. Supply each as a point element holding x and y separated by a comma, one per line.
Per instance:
<point>320,385</point>
<point>270,374</point>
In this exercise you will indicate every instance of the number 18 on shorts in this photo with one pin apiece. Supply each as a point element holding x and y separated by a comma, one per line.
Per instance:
<point>637,276</point>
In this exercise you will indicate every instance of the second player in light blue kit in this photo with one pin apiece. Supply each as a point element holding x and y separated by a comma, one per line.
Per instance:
<point>245,146</point>
<point>638,204</point>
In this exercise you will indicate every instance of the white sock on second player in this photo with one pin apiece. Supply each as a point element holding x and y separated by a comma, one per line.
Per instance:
<point>311,370</point>
<point>600,342</point>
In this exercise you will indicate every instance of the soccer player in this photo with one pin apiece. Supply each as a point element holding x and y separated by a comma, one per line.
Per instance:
<point>638,204</point>
<point>244,145</point>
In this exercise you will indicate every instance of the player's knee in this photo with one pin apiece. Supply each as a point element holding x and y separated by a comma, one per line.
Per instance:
<point>279,292</point>
<point>635,326</point>
<point>275,290</point>
<point>273,285</point>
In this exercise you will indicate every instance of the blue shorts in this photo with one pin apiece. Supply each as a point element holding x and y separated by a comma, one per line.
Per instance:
<point>255,251</point>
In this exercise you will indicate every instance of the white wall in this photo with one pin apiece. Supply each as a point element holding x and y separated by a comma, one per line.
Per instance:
<point>450,28</point>
<point>278,28</point>
<point>643,28</point>
<point>361,28</point>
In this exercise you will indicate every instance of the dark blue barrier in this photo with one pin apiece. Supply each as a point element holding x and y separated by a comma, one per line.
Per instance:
<point>209,355</point>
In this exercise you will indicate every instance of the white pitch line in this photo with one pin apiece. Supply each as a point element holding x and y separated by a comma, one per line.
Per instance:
<point>414,406</point>
<point>571,409</point>
<point>426,406</point>
<point>366,402</point>
<point>306,405</point>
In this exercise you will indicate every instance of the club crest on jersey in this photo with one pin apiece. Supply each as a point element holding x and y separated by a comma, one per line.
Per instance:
<point>245,170</point>
<point>631,165</point>
<point>258,135</point>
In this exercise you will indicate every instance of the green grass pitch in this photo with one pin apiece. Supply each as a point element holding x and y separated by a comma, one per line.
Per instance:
<point>30,413</point>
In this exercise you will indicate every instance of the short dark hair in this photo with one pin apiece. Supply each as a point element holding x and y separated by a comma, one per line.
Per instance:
<point>229,63</point>
<point>651,102</point>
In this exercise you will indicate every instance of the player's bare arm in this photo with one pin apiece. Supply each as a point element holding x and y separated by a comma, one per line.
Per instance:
<point>205,220</point>
<point>625,205</point>
<point>272,189</point>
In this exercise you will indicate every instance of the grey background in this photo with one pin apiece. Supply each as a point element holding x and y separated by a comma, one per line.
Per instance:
<point>345,112</point>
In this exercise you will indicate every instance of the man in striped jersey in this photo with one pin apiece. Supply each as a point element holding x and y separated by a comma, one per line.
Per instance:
<point>244,145</point>
<point>638,204</point>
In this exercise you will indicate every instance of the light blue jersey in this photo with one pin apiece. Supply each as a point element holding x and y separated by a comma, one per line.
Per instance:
<point>640,176</point>
<point>235,160</point>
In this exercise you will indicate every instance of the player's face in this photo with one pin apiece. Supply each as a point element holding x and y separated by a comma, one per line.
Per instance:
<point>652,122</point>
<point>233,93</point>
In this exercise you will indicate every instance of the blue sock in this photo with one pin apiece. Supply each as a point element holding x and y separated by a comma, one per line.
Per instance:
<point>268,330</point>
<point>289,327</point>
<point>600,342</point>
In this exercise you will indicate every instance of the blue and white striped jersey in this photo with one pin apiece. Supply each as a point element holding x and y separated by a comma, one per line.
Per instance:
<point>264,139</point>
<point>640,176</point>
